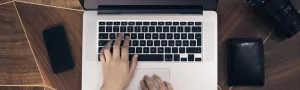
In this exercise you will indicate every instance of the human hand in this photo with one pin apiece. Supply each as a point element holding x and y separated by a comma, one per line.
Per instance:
<point>148,84</point>
<point>116,71</point>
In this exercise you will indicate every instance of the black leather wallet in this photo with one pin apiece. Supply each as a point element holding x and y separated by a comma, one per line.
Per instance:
<point>245,62</point>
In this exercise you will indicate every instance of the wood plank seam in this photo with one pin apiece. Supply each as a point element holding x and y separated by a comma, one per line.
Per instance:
<point>6,2</point>
<point>29,42</point>
<point>48,6</point>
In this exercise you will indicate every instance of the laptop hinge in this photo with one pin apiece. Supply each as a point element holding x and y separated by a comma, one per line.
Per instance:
<point>150,9</point>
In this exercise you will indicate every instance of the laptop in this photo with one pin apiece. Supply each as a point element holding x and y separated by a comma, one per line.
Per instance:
<point>175,39</point>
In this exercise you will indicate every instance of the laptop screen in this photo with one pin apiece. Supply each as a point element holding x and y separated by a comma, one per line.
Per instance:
<point>93,4</point>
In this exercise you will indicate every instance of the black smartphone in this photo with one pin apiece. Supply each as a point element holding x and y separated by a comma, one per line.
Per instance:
<point>58,49</point>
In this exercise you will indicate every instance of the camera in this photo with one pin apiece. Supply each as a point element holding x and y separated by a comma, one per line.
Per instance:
<point>281,13</point>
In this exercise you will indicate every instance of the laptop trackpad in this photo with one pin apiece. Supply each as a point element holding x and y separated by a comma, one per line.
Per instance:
<point>163,73</point>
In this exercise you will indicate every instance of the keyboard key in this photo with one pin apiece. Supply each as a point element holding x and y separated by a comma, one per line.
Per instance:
<point>198,42</point>
<point>160,50</point>
<point>116,29</point>
<point>168,57</point>
<point>176,36</point>
<point>173,29</point>
<point>150,57</point>
<point>193,43</point>
<point>146,50</point>
<point>150,43</point>
<point>153,23</point>
<point>190,57</point>
<point>159,29</point>
<point>108,29</point>
<point>109,23</point>
<point>144,29</point>
<point>197,59</point>
<point>182,23</point>
<point>126,34</point>
<point>137,29</point>
<point>163,43</point>
<point>146,23</point>
<point>179,29</point>
<point>156,43</point>
<point>130,29</point>
<point>161,23</point>
<point>175,23</point>
<point>183,59</point>
<point>191,23</point>
<point>103,35</point>
<point>198,36</point>
<point>131,23</point>
<point>112,36</point>
<point>99,49</point>
<point>181,50</point>
<point>133,36</point>
<point>183,36</point>
<point>131,49</point>
<point>167,50</point>
<point>151,29</point>
<point>196,29</point>
<point>193,50</point>
<point>123,29</point>
<point>174,49</point>
<point>185,43</point>
<point>141,36</point>
<point>103,42</point>
<point>139,23</point>
<point>123,23</point>
<point>153,50</point>
<point>135,43</point>
<point>191,36</point>
<point>166,29</point>
<point>187,29</point>
<point>142,43</point>
<point>101,29</point>
<point>139,50</point>
<point>121,44</point>
<point>168,23</point>
<point>176,57</point>
<point>101,23</point>
<point>162,36</point>
<point>148,36</point>
<point>197,23</point>
<point>178,42</point>
<point>155,36</point>
<point>171,43</point>
<point>117,23</point>
<point>169,36</point>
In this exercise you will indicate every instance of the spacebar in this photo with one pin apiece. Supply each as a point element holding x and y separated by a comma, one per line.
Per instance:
<point>149,57</point>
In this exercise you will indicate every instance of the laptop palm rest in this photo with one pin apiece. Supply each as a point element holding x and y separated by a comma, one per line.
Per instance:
<point>163,73</point>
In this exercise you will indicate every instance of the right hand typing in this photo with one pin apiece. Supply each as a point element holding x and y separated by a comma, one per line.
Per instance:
<point>148,84</point>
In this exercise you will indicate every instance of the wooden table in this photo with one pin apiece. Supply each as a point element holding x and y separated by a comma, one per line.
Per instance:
<point>25,65</point>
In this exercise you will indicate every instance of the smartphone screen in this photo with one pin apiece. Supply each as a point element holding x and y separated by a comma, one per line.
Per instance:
<point>58,49</point>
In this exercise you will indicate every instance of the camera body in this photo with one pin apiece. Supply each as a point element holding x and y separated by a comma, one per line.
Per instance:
<point>281,13</point>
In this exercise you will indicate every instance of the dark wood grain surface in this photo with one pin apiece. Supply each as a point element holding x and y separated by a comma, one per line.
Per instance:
<point>74,4</point>
<point>17,64</point>
<point>35,19</point>
<point>3,1</point>
<point>21,88</point>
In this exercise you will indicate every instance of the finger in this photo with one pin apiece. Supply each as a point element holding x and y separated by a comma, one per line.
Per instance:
<point>169,86</point>
<point>102,58</point>
<point>160,83</point>
<point>143,85</point>
<point>125,55</point>
<point>133,65</point>
<point>116,49</point>
<point>149,83</point>
<point>107,53</point>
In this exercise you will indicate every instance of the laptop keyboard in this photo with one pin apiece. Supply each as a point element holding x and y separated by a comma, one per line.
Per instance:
<point>156,41</point>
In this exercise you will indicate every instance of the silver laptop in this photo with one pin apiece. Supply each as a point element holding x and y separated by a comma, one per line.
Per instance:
<point>175,39</point>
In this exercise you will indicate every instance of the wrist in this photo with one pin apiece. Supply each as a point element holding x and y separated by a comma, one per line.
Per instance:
<point>110,88</point>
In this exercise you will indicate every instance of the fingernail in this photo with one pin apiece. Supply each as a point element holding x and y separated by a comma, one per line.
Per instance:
<point>146,76</point>
<point>154,75</point>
